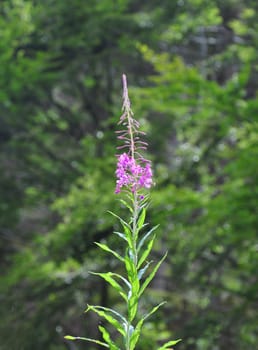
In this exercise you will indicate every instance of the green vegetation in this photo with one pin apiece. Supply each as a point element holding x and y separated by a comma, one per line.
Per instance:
<point>192,70</point>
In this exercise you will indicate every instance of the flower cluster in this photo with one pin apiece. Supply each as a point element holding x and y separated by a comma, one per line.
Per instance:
<point>132,175</point>
<point>133,170</point>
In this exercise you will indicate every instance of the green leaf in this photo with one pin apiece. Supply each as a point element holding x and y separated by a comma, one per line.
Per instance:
<point>121,235</point>
<point>107,338</point>
<point>130,268</point>
<point>69,337</point>
<point>104,312</point>
<point>142,271</point>
<point>146,252</point>
<point>107,249</point>
<point>136,334</point>
<point>108,276</point>
<point>133,297</point>
<point>141,219</point>
<point>151,275</point>
<point>127,229</point>
<point>155,308</point>
<point>124,223</point>
<point>137,330</point>
<point>132,305</point>
<point>127,205</point>
<point>147,235</point>
<point>129,236</point>
<point>169,343</point>
<point>122,279</point>
<point>133,294</point>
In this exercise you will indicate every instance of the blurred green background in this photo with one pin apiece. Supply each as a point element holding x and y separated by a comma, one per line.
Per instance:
<point>192,69</point>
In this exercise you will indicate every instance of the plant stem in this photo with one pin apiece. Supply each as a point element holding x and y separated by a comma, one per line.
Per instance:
<point>134,228</point>
<point>134,232</point>
<point>127,341</point>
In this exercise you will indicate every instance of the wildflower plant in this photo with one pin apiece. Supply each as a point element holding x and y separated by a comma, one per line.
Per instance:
<point>133,181</point>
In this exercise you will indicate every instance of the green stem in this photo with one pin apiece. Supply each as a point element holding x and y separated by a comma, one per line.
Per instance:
<point>134,228</point>
<point>135,259</point>
<point>127,342</point>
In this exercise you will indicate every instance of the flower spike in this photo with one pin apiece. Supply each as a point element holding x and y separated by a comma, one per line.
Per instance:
<point>133,170</point>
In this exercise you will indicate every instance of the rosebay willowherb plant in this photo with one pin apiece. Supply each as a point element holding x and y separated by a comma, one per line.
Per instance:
<point>134,179</point>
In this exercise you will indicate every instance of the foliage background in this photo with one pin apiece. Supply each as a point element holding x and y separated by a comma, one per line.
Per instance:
<point>192,69</point>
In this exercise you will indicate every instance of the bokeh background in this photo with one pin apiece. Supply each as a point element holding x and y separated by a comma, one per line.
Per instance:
<point>192,69</point>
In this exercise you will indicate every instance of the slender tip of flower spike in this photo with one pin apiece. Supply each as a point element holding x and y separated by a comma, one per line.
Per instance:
<point>124,80</point>
<point>125,90</point>
<point>126,104</point>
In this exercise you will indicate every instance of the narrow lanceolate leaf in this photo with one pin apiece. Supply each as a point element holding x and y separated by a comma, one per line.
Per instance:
<point>127,229</point>
<point>146,236</point>
<point>129,236</point>
<point>137,331</point>
<point>108,276</point>
<point>131,272</point>
<point>143,270</point>
<point>107,309</point>
<point>105,313</point>
<point>136,334</point>
<point>69,337</point>
<point>169,343</point>
<point>153,310</point>
<point>124,223</point>
<point>146,252</point>
<point>121,235</point>
<point>107,249</point>
<point>132,305</point>
<point>122,279</point>
<point>133,298</point>
<point>107,338</point>
<point>127,205</point>
<point>133,294</point>
<point>151,275</point>
<point>141,219</point>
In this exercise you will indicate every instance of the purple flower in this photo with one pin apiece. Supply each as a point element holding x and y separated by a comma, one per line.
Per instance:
<point>133,170</point>
<point>131,175</point>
